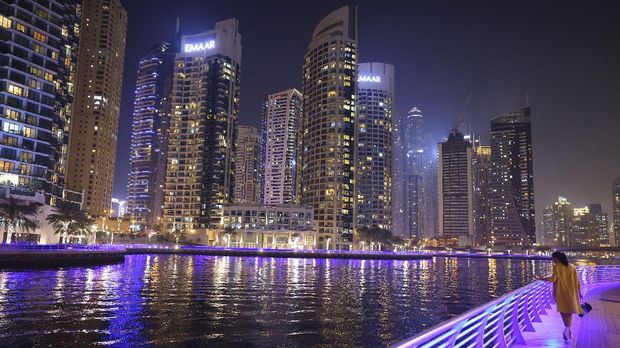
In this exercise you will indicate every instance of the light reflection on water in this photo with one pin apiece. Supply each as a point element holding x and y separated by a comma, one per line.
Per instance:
<point>232,301</point>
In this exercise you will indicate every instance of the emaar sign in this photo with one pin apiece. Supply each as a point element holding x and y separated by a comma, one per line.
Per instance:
<point>199,46</point>
<point>368,78</point>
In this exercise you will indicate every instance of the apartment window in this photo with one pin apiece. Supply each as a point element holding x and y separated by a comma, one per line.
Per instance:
<point>16,90</point>
<point>20,27</point>
<point>38,48</point>
<point>39,36</point>
<point>11,114</point>
<point>5,22</point>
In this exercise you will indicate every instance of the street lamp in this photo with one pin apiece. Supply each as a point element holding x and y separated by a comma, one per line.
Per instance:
<point>93,229</point>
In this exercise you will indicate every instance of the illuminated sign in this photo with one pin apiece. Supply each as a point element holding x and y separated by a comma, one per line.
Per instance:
<point>368,78</point>
<point>199,46</point>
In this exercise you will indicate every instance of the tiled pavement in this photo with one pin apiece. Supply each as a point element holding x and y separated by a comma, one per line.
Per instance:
<point>598,329</point>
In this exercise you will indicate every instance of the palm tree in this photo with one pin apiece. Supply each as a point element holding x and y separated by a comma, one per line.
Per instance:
<point>82,226</point>
<point>15,216</point>
<point>65,215</point>
<point>176,233</point>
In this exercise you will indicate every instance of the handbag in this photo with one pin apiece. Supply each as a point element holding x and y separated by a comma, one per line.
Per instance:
<point>586,308</point>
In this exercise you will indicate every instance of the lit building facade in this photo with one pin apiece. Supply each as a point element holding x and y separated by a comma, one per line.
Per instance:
<point>561,223</point>
<point>281,129</point>
<point>118,208</point>
<point>94,126</point>
<point>615,192</point>
<point>600,220</point>
<point>373,154</point>
<point>481,174</point>
<point>547,235</point>
<point>149,137</point>
<point>455,177</point>
<point>512,180</point>
<point>246,165</point>
<point>328,124</point>
<point>413,194</point>
<point>201,144</point>
<point>37,85</point>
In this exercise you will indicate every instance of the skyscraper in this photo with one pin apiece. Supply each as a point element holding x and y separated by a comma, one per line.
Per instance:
<point>246,165</point>
<point>413,195</point>
<point>94,127</point>
<point>481,176</point>
<point>562,217</point>
<point>205,104</point>
<point>373,155</point>
<point>38,68</point>
<point>615,192</point>
<point>456,215</point>
<point>600,221</point>
<point>149,137</point>
<point>329,88</point>
<point>547,235</point>
<point>512,179</point>
<point>281,129</point>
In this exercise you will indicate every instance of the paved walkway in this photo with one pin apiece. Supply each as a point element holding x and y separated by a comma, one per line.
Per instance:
<point>598,329</point>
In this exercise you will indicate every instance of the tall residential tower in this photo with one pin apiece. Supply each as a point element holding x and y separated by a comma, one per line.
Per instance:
<point>247,161</point>
<point>94,127</point>
<point>201,145</point>
<point>281,129</point>
<point>149,136</point>
<point>328,148</point>
<point>512,179</point>
<point>373,155</point>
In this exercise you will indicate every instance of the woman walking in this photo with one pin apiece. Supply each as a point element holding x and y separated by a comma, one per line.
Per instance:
<point>566,290</point>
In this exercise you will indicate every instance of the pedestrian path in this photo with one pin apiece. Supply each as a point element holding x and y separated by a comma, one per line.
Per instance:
<point>598,329</point>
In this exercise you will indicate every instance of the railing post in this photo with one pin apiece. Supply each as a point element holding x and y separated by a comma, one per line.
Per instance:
<point>514,323</point>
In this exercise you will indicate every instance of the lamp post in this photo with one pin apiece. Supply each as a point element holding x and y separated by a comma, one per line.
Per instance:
<point>93,229</point>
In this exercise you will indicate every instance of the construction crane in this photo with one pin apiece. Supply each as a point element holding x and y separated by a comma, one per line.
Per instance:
<point>461,116</point>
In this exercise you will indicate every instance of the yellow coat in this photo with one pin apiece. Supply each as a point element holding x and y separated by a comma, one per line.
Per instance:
<point>566,288</point>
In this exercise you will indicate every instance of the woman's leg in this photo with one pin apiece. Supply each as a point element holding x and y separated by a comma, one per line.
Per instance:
<point>567,319</point>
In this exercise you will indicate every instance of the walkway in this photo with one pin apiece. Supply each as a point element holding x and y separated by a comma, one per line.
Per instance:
<point>599,328</point>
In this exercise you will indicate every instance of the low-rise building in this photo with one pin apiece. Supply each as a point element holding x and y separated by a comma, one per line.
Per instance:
<point>44,233</point>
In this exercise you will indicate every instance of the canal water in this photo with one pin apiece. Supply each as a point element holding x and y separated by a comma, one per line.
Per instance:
<point>182,300</point>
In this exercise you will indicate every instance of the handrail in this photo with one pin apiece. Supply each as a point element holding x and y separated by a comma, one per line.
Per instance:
<point>43,247</point>
<point>501,322</point>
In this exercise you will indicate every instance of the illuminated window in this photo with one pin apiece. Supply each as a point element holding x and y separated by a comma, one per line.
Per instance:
<point>48,76</point>
<point>5,22</point>
<point>30,132</point>
<point>39,36</point>
<point>16,90</point>
<point>38,48</point>
<point>11,114</point>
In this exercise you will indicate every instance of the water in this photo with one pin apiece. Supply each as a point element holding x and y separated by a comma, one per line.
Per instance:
<point>181,300</point>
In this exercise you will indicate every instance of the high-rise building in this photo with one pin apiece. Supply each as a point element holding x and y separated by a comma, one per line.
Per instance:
<point>512,179</point>
<point>398,177</point>
<point>38,58</point>
<point>281,127</point>
<point>328,124</point>
<point>94,126</point>
<point>615,192</point>
<point>455,177</point>
<point>562,217</point>
<point>481,176</point>
<point>149,137</point>
<point>547,235</point>
<point>246,165</point>
<point>373,155</point>
<point>118,208</point>
<point>201,144</point>
<point>413,195</point>
<point>601,224</point>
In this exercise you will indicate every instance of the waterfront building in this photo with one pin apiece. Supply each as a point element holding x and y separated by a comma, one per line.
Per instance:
<point>39,50</point>
<point>281,129</point>
<point>205,104</point>
<point>615,191</point>
<point>247,160</point>
<point>118,208</point>
<point>481,175</point>
<point>600,221</point>
<point>43,232</point>
<point>149,136</point>
<point>373,154</point>
<point>455,178</point>
<point>512,180</point>
<point>547,234</point>
<point>267,226</point>
<point>413,194</point>
<point>562,216</point>
<point>96,107</point>
<point>328,124</point>
<point>398,178</point>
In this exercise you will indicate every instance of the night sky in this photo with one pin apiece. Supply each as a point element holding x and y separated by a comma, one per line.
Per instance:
<point>565,53</point>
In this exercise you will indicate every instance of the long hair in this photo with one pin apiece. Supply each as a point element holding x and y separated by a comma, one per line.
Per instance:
<point>560,257</point>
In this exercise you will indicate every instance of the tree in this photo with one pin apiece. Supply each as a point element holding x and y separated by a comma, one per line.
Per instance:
<point>65,214</point>
<point>373,235</point>
<point>176,233</point>
<point>81,227</point>
<point>15,216</point>
<point>229,232</point>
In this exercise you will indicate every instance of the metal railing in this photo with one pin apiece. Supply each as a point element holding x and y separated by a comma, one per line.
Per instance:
<point>501,322</point>
<point>52,247</point>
